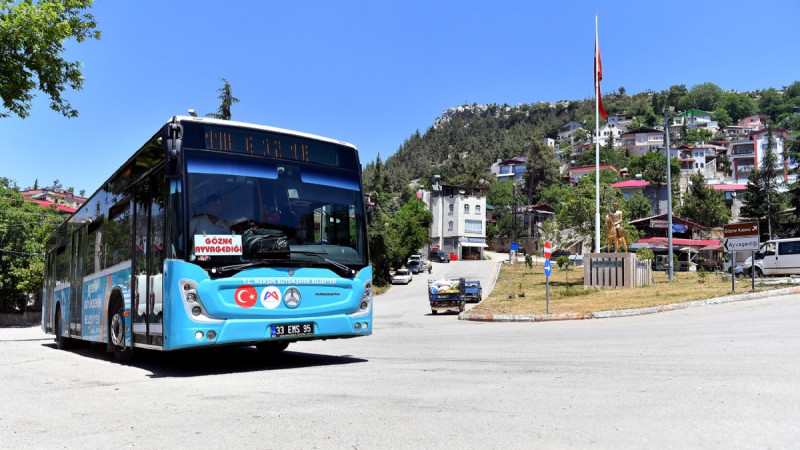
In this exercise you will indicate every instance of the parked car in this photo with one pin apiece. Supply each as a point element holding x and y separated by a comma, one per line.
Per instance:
<point>698,260</point>
<point>415,267</point>
<point>726,267</point>
<point>439,256</point>
<point>775,257</point>
<point>402,276</point>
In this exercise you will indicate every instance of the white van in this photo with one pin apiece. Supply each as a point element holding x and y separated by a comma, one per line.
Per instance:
<point>776,257</point>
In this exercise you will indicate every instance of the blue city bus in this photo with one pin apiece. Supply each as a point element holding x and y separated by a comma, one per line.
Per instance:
<point>215,233</point>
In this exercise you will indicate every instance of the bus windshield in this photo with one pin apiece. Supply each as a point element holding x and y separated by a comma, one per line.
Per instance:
<point>249,210</point>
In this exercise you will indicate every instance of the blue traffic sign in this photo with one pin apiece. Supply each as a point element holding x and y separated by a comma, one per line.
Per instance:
<point>548,268</point>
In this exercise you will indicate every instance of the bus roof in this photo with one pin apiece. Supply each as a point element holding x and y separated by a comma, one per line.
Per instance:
<point>253,126</point>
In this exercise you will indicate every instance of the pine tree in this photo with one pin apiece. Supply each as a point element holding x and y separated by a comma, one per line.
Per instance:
<point>226,95</point>
<point>703,204</point>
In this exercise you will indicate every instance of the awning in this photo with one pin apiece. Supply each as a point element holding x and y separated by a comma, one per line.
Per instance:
<point>474,244</point>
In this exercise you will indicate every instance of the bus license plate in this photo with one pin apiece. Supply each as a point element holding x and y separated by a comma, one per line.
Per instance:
<point>292,329</point>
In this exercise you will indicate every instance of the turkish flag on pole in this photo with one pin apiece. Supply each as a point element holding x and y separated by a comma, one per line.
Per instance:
<point>598,75</point>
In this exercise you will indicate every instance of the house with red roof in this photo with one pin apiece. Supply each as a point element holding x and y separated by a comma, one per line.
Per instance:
<point>57,198</point>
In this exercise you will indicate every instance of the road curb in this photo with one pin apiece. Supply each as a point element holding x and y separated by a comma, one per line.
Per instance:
<point>627,312</point>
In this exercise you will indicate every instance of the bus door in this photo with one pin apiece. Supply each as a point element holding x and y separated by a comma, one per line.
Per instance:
<point>76,281</point>
<point>49,291</point>
<point>148,262</point>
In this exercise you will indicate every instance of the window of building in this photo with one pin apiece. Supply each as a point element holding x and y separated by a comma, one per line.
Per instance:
<point>452,208</point>
<point>450,225</point>
<point>466,209</point>
<point>473,226</point>
<point>477,209</point>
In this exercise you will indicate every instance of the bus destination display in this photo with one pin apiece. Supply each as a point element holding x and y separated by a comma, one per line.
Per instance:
<point>273,145</point>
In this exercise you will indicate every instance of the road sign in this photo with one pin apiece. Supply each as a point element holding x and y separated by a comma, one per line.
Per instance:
<point>741,229</point>
<point>548,268</point>
<point>547,251</point>
<point>741,244</point>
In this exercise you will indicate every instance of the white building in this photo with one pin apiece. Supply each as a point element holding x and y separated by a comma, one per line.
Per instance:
<point>745,155</point>
<point>459,219</point>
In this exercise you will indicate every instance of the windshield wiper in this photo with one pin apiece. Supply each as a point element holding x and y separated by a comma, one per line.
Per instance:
<point>337,264</point>
<point>347,271</point>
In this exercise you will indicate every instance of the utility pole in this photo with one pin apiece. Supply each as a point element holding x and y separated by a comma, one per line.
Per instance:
<point>669,197</point>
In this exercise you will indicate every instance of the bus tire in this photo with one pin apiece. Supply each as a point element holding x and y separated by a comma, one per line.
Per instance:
<point>272,348</point>
<point>62,342</point>
<point>116,332</point>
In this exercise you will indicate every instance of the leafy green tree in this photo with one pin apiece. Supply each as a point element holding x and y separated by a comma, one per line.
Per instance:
<point>762,199</point>
<point>793,151</point>
<point>671,97</point>
<point>703,204</point>
<point>653,167</point>
<point>24,228</point>
<point>738,106</point>
<point>411,230</point>
<point>500,195</point>
<point>227,99</point>
<point>541,171</point>
<point>380,237</point>
<point>771,103</point>
<point>639,206</point>
<point>608,155</point>
<point>564,264</point>
<point>705,97</point>
<point>721,116</point>
<point>32,37</point>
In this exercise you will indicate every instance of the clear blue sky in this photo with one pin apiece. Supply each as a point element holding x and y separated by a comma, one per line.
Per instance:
<point>372,72</point>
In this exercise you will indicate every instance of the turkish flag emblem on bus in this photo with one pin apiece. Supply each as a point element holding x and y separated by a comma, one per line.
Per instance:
<point>245,296</point>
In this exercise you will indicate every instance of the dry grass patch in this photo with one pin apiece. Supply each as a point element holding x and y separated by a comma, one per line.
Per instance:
<point>520,290</point>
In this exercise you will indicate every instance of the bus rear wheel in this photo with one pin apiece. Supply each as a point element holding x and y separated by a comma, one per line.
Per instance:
<point>62,342</point>
<point>116,333</point>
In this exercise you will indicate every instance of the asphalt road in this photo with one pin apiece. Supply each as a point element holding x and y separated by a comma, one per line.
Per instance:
<point>723,376</point>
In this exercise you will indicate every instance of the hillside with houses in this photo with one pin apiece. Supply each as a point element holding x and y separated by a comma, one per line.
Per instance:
<point>720,144</point>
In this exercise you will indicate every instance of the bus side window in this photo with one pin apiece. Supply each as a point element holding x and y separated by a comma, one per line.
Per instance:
<point>117,234</point>
<point>93,257</point>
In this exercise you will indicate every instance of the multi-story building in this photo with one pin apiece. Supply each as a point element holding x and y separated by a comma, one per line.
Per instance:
<point>511,169</point>
<point>748,154</point>
<point>642,140</point>
<point>752,123</point>
<point>612,130</point>
<point>694,119</point>
<point>567,132</point>
<point>459,219</point>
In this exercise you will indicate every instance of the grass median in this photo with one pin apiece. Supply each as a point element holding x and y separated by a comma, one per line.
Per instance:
<point>521,290</point>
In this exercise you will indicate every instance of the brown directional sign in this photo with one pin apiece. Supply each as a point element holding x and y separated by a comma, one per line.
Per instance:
<point>741,229</point>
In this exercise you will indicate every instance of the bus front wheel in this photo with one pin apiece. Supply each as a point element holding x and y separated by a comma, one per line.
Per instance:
<point>116,333</point>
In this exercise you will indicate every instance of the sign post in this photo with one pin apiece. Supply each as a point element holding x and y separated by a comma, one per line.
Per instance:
<point>548,269</point>
<point>740,236</point>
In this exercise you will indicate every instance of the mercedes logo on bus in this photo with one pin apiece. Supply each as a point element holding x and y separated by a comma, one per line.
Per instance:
<point>291,297</point>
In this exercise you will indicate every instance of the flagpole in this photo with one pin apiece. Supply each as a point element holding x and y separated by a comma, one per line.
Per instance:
<point>596,146</point>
